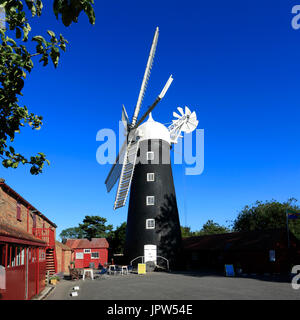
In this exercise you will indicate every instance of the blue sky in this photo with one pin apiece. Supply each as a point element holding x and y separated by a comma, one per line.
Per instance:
<point>236,63</point>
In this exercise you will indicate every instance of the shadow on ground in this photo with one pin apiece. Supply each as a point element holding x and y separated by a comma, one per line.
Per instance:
<point>281,278</point>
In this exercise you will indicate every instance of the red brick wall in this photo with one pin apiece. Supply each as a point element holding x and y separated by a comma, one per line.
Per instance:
<point>63,258</point>
<point>83,263</point>
<point>8,214</point>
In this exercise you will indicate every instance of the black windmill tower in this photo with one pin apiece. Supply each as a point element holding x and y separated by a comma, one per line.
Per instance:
<point>143,166</point>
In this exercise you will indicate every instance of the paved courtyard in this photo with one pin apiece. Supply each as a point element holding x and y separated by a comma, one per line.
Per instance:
<point>176,286</point>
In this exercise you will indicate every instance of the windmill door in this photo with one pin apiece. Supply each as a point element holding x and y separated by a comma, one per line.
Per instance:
<point>150,252</point>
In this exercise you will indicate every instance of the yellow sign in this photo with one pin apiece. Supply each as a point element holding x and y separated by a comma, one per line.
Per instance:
<point>141,268</point>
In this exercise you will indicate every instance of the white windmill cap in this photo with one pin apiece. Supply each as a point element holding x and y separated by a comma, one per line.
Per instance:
<point>152,129</point>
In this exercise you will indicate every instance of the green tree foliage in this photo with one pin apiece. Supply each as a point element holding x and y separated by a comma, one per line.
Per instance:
<point>210,227</point>
<point>72,233</point>
<point>91,227</point>
<point>117,239</point>
<point>186,232</point>
<point>267,215</point>
<point>16,62</point>
<point>95,227</point>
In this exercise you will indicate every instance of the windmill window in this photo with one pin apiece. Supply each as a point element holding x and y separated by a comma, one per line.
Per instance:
<point>150,176</point>
<point>150,155</point>
<point>150,224</point>
<point>150,200</point>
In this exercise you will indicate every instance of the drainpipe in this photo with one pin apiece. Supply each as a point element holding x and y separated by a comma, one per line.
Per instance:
<point>27,219</point>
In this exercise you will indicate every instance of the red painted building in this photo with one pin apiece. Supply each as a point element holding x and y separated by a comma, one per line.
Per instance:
<point>86,251</point>
<point>27,246</point>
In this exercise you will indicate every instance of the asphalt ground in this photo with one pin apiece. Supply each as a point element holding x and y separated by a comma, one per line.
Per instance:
<point>176,286</point>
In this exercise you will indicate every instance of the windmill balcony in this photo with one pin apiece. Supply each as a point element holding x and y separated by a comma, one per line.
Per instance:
<point>45,234</point>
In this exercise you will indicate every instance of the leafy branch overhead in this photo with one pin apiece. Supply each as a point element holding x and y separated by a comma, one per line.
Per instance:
<point>16,62</point>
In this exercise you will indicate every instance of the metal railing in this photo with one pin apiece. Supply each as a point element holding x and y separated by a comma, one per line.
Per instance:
<point>45,234</point>
<point>165,260</point>
<point>143,259</point>
<point>136,259</point>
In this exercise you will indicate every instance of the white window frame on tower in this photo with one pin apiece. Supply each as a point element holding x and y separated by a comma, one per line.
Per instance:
<point>150,155</point>
<point>150,223</point>
<point>150,176</point>
<point>150,202</point>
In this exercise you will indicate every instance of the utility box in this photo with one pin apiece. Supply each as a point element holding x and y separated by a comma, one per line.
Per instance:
<point>141,268</point>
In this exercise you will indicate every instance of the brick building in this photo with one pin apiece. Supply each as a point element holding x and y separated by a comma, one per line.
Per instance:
<point>27,246</point>
<point>252,251</point>
<point>63,257</point>
<point>86,251</point>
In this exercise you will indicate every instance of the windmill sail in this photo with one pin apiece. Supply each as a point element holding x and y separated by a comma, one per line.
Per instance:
<point>124,170</point>
<point>146,77</point>
<point>126,174</point>
<point>116,169</point>
<point>160,96</point>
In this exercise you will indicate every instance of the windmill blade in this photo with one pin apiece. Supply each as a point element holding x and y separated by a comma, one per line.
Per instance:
<point>125,119</point>
<point>176,115</point>
<point>189,126</point>
<point>146,78</point>
<point>187,123</point>
<point>160,96</point>
<point>193,116</point>
<point>126,174</point>
<point>116,169</point>
<point>166,87</point>
<point>187,111</point>
<point>181,111</point>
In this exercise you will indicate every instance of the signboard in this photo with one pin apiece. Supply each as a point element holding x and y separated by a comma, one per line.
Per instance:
<point>272,255</point>
<point>150,252</point>
<point>141,268</point>
<point>229,270</point>
<point>2,278</point>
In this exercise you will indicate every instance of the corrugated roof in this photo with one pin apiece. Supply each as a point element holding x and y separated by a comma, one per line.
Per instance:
<point>252,240</point>
<point>13,232</point>
<point>87,244</point>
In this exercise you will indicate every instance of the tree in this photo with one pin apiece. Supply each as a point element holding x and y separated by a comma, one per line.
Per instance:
<point>72,233</point>
<point>16,61</point>
<point>94,227</point>
<point>91,227</point>
<point>211,227</point>
<point>117,239</point>
<point>267,215</point>
<point>186,232</point>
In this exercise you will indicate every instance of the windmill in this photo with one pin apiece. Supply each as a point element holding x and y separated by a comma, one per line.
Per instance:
<point>143,167</point>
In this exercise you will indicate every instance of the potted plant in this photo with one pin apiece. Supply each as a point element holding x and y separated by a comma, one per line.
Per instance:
<point>72,264</point>
<point>54,279</point>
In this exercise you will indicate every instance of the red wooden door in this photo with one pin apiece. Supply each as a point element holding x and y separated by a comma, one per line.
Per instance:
<point>86,259</point>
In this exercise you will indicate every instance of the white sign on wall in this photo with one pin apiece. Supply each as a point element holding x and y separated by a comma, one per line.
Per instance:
<point>79,255</point>
<point>150,252</point>
<point>2,278</point>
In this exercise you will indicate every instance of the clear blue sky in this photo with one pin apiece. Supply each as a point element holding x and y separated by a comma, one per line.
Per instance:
<point>236,63</point>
